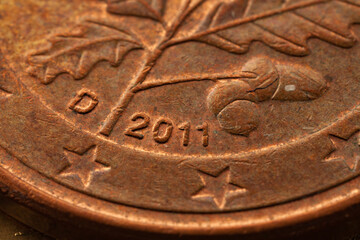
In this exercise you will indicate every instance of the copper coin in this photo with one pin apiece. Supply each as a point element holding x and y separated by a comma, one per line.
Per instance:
<point>180,117</point>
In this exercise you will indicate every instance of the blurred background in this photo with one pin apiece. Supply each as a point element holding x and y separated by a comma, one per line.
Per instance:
<point>11,229</point>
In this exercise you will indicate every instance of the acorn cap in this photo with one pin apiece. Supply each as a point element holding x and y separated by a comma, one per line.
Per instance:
<point>265,83</point>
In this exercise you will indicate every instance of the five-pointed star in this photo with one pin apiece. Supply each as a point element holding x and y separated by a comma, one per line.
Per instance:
<point>347,151</point>
<point>217,188</point>
<point>83,166</point>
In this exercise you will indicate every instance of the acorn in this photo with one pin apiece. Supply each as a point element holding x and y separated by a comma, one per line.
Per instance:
<point>239,117</point>
<point>234,102</point>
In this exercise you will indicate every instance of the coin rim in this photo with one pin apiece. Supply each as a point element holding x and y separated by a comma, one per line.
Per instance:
<point>244,222</point>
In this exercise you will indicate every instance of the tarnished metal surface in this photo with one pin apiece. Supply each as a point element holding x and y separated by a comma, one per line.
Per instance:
<point>180,117</point>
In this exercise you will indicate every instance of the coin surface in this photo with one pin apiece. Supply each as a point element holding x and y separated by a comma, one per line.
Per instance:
<point>181,117</point>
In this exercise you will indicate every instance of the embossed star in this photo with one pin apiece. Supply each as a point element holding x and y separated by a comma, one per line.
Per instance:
<point>83,166</point>
<point>218,188</point>
<point>347,151</point>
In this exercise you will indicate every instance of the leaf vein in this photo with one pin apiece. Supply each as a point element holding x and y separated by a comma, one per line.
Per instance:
<point>152,10</point>
<point>103,24</point>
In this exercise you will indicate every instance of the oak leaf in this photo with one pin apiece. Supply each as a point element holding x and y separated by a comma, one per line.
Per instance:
<point>77,51</point>
<point>286,28</point>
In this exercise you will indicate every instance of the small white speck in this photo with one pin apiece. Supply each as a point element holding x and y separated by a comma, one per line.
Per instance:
<point>290,88</point>
<point>18,234</point>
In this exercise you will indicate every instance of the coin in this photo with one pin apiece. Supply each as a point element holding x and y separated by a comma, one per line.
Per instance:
<point>180,117</point>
